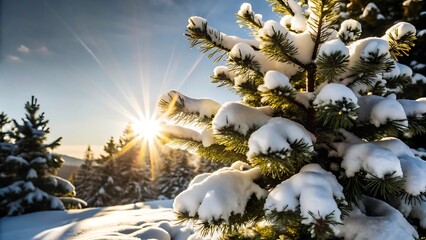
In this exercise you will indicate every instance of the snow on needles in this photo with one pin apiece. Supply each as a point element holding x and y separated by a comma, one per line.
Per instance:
<point>240,117</point>
<point>213,198</point>
<point>376,219</point>
<point>313,190</point>
<point>399,30</point>
<point>374,160</point>
<point>277,135</point>
<point>333,92</point>
<point>205,108</point>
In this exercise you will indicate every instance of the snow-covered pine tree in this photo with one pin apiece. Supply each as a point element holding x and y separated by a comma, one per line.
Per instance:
<point>31,184</point>
<point>314,142</point>
<point>133,172</point>
<point>103,190</point>
<point>175,174</point>
<point>386,13</point>
<point>85,174</point>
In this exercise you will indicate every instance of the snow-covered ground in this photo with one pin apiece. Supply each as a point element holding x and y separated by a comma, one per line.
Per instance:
<point>133,221</point>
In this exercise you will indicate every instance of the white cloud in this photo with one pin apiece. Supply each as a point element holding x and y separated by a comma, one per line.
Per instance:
<point>14,58</point>
<point>23,49</point>
<point>43,50</point>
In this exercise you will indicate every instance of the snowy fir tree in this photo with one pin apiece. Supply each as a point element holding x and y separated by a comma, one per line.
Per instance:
<point>83,178</point>
<point>177,170</point>
<point>133,171</point>
<point>386,13</point>
<point>315,141</point>
<point>27,173</point>
<point>100,188</point>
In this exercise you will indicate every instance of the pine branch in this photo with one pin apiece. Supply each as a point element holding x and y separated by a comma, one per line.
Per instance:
<point>341,114</point>
<point>175,110</point>
<point>417,125</point>
<point>250,21</point>
<point>232,140</point>
<point>330,67</point>
<point>324,16</point>
<point>367,67</point>
<point>215,152</point>
<point>384,188</point>
<point>252,214</point>
<point>370,132</point>
<point>283,164</point>
<point>278,47</point>
<point>400,47</point>
<point>281,7</point>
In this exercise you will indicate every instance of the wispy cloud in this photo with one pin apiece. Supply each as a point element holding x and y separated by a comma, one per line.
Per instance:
<point>23,49</point>
<point>43,50</point>
<point>14,58</point>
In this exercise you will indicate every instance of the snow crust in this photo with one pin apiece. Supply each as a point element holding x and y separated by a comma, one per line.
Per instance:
<point>276,136</point>
<point>333,92</point>
<point>214,198</point>
<point>376,219</point>
<point>313,190</point>
<point>240,117</point>
<point>133,221</point>
<point>181,132</point>
<point>17,159</point>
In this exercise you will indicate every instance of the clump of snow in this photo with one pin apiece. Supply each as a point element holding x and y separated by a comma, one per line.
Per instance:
<point>413,108</point>
<point>277,135</point>
<point>399,30</point>
<point>17,160</point>
<point>366,46</point>
<point>207,138</point>
<point>246,9</point>
<point>333,92</point>
<point>217,37</point>
<point>205,108</point>
<point>376,219</point>
<point>181,132</point>
<point>32,174</point>
<point>214,198</point>
<point>374,160</point>
<point>418,78</point>
<point>379,110</point>
<point>417,211</point>
<point>313,190</point>
<point>242,51</point>
<point>370,7</point>
<point>240,117</point>
<point>348,28</point>
<point>413,168</point>
<point>274,79</point>
<point>332,46</point>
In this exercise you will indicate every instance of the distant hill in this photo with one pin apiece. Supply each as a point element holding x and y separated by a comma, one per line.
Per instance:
<point>71,165</point>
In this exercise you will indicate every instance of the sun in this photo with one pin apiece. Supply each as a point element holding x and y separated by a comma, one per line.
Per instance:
<point>147,129</point>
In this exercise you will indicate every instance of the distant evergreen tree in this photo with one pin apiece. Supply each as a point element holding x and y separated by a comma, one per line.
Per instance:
<point>29,182</point>
<point>103,189</point>
<point>83,178</point>
<point>132,169</point>
<point>207,166</point>
<point>175,174</point>
<point>6,148</point>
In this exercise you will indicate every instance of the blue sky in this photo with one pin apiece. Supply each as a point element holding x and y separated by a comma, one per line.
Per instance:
<point>94,65</point>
